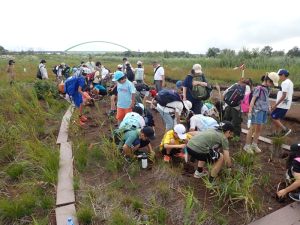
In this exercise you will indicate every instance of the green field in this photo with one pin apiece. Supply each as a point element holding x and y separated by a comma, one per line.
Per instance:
<point>216,69</point>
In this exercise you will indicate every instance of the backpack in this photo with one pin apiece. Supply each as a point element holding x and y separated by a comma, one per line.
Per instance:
<point>71,84</point>
<point>131,121</point>
<point>199,92</point>
<point>66,71</point>
<point>55,69</point>
<point>245,104</point>
<point>129,73</point>
<point>166,96</point>
<point>234,95</point>
<point>39,73</point>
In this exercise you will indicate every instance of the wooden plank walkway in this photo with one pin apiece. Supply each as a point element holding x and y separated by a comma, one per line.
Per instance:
<point>64,212</point>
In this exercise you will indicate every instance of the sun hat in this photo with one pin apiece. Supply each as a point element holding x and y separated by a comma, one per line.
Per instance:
<point>120,66</point>
<point>118,75</point>
<point>180,130</point>
<point>197,68</point>
<point>139,62</point>
<point>283,72</point>
<point>274,77</point>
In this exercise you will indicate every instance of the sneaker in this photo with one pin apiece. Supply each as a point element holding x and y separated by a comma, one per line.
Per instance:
<point>180,155</point>
<point>255,148</point>
<point>112,112</point>
<point>199,175</point>
<point>248,149</point>
<point>286,132</point>
<point>295,196</point>
<point>167,158</point>
<point>83,118</point>
<point>81,123</point>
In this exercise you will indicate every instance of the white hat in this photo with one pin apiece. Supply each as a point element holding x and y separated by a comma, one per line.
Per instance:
<point>197,68</point>
<point>139,62</point>
<point>180,130</point>
<point>274,77</point>
<point>187,104</point>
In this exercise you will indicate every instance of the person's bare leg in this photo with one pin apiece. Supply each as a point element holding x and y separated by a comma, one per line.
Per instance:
<point>217,166</point>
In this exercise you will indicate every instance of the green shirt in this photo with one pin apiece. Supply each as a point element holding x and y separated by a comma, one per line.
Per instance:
<point>206,140</point>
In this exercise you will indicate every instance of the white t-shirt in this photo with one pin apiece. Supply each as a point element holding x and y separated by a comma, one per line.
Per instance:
<point>159,73</point>
<point>172,107</point>
<point>139,74</point>
<point>288,87</point>
<point>202,123</point>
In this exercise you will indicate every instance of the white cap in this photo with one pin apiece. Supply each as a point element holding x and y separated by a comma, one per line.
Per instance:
<point>180,130</point>
<point>197,68</point>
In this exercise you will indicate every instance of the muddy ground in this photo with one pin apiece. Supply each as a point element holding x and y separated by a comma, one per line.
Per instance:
<point>99,124</point>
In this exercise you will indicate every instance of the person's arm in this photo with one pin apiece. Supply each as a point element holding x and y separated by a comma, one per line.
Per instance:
<point>252,104</point>
<point>283,97</point>
<point>292,187</point>
<point>184,93</point>
<point>227,158</point>
<point>163,81</point>
<point>132,100</point>
<point>192,124</point>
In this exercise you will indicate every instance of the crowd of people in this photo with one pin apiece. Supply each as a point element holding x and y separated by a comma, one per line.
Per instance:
<point>195,129</point>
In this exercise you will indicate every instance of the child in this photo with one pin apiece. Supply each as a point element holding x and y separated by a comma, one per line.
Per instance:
<point>11,71</point>
<point>126,95</point>
<point>283,103</point>
<point>139,73</point>
<point>174,142</point>
<point>292,173</point>
<point>258,110</point>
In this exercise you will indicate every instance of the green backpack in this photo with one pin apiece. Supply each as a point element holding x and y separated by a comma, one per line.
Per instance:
<point>200,92</point>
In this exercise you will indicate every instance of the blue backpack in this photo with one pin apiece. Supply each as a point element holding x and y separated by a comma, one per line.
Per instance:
<point>166,96</point>
<point>72,83</point>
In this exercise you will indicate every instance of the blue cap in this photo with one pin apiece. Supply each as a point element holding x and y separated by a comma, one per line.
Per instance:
<point>118,75</point>
<point>178,84</point>
<point>283,72</point>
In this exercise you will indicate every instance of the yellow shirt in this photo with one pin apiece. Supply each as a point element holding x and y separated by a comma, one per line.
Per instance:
<point>169,136</point>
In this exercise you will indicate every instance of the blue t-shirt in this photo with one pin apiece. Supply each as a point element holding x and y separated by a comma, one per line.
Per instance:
<point>77,97</point>
<point>125,92</point>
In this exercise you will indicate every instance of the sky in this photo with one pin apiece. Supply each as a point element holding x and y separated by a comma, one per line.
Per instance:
<point>156,25</point>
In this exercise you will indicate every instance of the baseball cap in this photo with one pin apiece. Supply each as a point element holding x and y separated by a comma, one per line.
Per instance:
<point>225,126</point>
<point>179,84</point>
<point>148,132</point>
<point>118,75</point>
<point>197,68</point>
<point>274,77</point>
<point>187,104</point>
<point>283,72</point>
<point>180,130</point>
<point>295,147</point>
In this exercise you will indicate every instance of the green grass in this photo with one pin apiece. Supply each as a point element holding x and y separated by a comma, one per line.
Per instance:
<point>85,215</point>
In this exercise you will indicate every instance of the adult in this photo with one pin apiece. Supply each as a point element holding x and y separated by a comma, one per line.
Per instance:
<point>139,72</point>
<point>98,73</point>
<point>126,95</point>
<point>159,76</point>
<point>190,82</point>
<point>90,64</point>
<point>292,174</point>
<point>172,111</point>
<point>205,147</point>
<point>258,111</point>
<point>10,70</point>
<point>43,70</point>
<point>283,103</point>
<point>124,60</point>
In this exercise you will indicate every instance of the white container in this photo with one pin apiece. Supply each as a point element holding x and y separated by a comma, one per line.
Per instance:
<point>144,161</point>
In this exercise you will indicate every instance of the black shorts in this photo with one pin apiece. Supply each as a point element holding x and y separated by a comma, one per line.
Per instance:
<point>173,151</point>
<point>210,157</point>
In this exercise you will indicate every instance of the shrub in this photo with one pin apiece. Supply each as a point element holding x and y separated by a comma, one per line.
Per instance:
<point>119,218</point>
<point>15,170</point>
<point>45,89</point>
<point>85,215</point>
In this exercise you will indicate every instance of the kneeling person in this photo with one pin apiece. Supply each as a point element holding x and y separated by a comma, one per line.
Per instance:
<point>173,142</point>
<point>205,148</point>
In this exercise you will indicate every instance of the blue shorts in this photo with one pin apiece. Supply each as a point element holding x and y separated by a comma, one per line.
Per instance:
<point>278,113</point>
<point>259,117</point>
